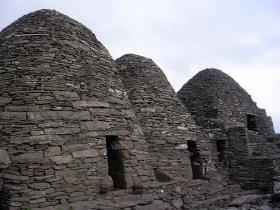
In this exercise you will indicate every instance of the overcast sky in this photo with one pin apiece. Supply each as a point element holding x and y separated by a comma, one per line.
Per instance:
<point>240,37</point>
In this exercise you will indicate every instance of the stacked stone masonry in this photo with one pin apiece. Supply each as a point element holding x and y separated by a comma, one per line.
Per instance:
<point>79,130</point>
<point>249,157</point>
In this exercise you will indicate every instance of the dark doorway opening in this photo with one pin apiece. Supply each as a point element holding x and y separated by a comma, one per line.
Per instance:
<point>115,162</point>
<point>221,147</point>
<point>196,162</point>
<point>4,199</point>
<point>251,122</point>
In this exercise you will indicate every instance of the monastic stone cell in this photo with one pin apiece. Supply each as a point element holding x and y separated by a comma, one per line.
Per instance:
<point>165,121</point>
<point>214,94</point>
<point>79,130</point>
<point>237,128</point>
<point>60,99</point>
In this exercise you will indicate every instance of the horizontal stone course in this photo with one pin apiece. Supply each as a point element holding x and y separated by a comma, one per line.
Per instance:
<point>58,115</point>
<point>85,153</point>
<point>62,159</point>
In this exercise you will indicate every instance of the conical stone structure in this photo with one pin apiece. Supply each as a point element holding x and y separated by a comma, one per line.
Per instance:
<point>213,94</point>
<point>240,132</point>
<point>176,146</point>
<point>65,119</point>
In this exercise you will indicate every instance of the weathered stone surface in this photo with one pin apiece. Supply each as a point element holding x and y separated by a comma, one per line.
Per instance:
<point>106,184</point>
<point>40,186</point>
<point>92,103</point>
<point>63,159</point>
<point>31,157</point>
<point>178,203</point>
<point>85,153</point>
<point>66,95</point>
<point>235,125</point>
<point>4,101</point>
<point>62,130</point>
<point>72,131</point>
<point>12,116</point>
<point>16,177</point>
<point>94,125</point>
<point>58,115</point>
<point>4,159</point>
<point>160,113</point>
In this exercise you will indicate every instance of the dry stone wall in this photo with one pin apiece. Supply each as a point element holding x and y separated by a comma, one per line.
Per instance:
<point>213,94</point>
<point>169,129</point>
<point>237,128</point>
<point>79,130</point>
<point>62,111</point>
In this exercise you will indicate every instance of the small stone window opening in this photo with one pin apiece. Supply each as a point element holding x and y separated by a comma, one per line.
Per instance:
<point>196,162</point>
<point>115,162</point>
<point>221,146</point>
<point>251,122</point>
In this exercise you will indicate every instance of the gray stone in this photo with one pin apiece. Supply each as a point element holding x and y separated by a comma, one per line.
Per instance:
<point>40,186</point>
<point>4,101</point>
<point>62,130</point>
<point>94,125</point>
<point>178,203</point>
<point>58,115</point>
<point>4,159</point>
<point>12,116</point>
<point>31,157</point>
<point>63,159</point>
<point>66,95</point>
<point>53,151</point>
<point>16,177</point>
<point>91,103</point>
<point>85,153</point>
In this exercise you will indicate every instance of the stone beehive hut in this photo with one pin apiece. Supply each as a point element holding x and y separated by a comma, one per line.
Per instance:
<point>214,94</point>
<point>65,120</point>
<point>168,127</point>
<point>235,125</point>
<point>79,130</point>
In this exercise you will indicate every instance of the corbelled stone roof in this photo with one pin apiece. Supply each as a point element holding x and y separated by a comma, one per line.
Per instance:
<point>212,93</point>
<point>62,107</point>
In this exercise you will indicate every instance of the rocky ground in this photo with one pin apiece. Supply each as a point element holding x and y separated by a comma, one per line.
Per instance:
<point>148,202</point>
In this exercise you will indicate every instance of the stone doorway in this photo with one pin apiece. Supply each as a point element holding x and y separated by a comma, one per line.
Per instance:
<point>196,162</point>
<point>251,122</point>
<point>115,162</point>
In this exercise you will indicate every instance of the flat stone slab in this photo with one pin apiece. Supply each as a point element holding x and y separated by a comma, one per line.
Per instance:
<point>4,159</point>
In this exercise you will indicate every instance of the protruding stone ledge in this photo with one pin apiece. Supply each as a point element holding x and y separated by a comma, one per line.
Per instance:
<point>4,159</point>
<point>62,159</point>
<point>85,153</point>
<point>91,103</point>
<point>66,95</point>
<point>4,101</point>
<point>12,116</point>
<point>31,157</point>
<point>58,115</point>
<point>94,125</point>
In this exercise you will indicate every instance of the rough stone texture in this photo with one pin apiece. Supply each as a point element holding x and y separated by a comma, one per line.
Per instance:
<point>214,94</point>
<point>59,89</point>
<point>4,159</point>
<point>239,131</point>
<point>76,135</point>
<point>165,121</point>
